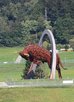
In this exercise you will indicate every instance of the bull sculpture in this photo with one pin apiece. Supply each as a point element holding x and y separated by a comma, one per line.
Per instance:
<point>37,54</point>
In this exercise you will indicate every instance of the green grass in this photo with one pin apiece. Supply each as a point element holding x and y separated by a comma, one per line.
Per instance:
<point>67,55</point>
<point>37,95</point>
<point>13,72</point>
<point>9,54</point>
<point>68,62</point>
<point>10,71</point>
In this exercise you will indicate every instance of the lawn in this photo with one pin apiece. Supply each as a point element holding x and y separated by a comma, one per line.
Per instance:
<point>10,71</point>
<point>13,72</point>
<point>9,54</point>
<point>37,95</point>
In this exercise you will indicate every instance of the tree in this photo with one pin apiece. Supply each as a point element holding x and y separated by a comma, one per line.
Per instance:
<point>37,15</point>
<point>71,42</point>
<point>29,28</point>
<point>66,47</point>
<point>3,25</point>
<point>64,28</point>
<point>25,71</point>
<point>39,73</point>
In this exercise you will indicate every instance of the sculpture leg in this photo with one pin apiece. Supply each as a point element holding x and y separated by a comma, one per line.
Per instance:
<point>31,71</point>
<point>59,71</point>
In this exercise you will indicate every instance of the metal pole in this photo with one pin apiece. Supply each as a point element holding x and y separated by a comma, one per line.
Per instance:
<point>51,37</point>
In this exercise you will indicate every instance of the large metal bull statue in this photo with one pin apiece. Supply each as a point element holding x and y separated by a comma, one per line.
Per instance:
<point>37,54</point>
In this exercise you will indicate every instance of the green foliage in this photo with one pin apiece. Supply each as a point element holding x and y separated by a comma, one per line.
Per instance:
<point>23,21</point>
<point>25,71</point>
<point>71,42</point>
<point>64,29</point>
<point>59,46</point>
<point>38,73</point>
<point>46,45</point>
<point>29,26</point>
<point>66,47</point>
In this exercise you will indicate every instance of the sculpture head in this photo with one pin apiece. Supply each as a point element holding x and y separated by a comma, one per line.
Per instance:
<point>24,54</point>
